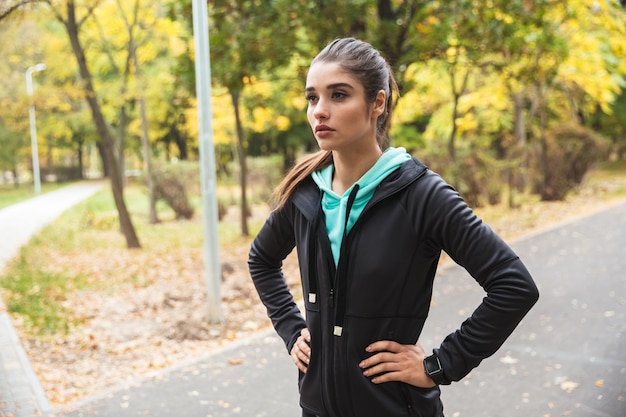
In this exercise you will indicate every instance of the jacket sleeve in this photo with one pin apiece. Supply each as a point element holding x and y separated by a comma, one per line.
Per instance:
<point>268,250</point>
<point>511,291</point>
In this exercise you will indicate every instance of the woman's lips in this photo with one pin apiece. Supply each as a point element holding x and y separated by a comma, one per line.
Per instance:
<point>323,130</point>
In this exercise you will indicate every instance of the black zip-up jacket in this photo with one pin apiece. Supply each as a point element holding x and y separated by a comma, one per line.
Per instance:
<point>381,289</point>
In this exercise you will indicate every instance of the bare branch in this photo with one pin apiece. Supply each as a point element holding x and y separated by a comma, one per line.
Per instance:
<point>6,10</point>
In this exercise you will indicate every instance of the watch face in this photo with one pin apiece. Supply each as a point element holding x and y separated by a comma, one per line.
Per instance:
<point>432,365</point>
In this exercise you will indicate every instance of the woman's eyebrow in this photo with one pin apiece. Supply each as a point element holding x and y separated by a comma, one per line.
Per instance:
<point>331,87</point>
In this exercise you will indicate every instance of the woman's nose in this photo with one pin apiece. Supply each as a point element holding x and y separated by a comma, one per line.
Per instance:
<point>321,110</point>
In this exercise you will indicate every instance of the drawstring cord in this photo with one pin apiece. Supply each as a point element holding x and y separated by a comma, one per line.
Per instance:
<point>338,289</point>
<point>312,256</point>
<point>341,273</point>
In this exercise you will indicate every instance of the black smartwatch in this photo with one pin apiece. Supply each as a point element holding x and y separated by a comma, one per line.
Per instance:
<point>433,369</point>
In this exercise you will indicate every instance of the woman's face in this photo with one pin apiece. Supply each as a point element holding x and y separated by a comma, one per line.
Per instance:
<point>340,117</point>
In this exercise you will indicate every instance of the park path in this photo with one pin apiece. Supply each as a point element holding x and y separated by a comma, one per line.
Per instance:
<point>21,394</point>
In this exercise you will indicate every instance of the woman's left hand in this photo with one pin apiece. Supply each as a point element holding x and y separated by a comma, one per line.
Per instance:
<point>396,362</point>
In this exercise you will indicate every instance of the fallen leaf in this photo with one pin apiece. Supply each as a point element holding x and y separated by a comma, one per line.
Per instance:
<point>569,386</point>
<point>508,359</point>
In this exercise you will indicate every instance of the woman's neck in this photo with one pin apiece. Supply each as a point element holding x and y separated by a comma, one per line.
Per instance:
<point>350,167</point>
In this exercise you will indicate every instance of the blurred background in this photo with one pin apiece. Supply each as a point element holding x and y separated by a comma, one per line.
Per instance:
<point>514,102</point>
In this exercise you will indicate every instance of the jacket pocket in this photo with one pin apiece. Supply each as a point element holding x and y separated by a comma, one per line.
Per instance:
<point>423,402</point>
<point>310,383</point>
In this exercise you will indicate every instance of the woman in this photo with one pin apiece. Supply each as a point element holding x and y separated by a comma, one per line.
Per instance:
<point>369,224</point>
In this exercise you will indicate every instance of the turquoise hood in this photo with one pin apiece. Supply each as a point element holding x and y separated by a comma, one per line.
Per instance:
<point>335,206</point>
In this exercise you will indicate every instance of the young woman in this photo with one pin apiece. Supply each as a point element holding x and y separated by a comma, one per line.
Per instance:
<point>369,223</point>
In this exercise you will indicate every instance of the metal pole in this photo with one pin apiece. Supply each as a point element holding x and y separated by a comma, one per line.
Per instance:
<point>212,269</point>
<point>33,125</point>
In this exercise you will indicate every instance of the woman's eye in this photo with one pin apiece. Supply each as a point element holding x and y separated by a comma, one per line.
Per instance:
<point>311,99</point>
<point>339,95</point>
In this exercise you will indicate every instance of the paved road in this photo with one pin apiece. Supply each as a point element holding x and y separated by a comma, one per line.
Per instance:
<point>19,222</point>
<point>21,394</point>
<point>568,357</point>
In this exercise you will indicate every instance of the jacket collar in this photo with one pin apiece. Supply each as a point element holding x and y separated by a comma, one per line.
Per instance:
<point>308,195</point>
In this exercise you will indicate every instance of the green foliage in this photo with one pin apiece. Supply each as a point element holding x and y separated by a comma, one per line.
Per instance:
<point>11,142</point>
<point>248,38</point>
<point>527,65</point>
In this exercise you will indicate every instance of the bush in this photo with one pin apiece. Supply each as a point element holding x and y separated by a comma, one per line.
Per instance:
<point>569,151</point>
<point>61,174</point>
<point>476,174</point>
<point>173,183</point>
<point>264,174</point>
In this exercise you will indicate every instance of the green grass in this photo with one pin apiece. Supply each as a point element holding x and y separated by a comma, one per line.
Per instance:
<point>11,195</point>
<point>36,289</point>
<point>38,295</point>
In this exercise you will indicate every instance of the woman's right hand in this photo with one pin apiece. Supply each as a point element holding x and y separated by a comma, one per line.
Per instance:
<point>301,350</point>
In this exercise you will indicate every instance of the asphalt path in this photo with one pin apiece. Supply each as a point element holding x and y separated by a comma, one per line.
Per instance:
<point>20,221</point>
<point>567,358</point>
<point>21,394</point>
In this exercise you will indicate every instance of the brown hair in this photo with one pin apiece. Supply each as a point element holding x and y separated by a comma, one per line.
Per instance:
<point>364,62</point>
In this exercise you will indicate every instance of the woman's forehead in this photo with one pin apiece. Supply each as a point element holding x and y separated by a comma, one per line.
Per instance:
<point>324,74</point>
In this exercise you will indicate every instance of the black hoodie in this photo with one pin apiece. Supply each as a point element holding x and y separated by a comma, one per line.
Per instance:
<point>382,287</point>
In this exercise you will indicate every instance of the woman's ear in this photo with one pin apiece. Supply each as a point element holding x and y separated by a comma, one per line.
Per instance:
<point>380,104</point>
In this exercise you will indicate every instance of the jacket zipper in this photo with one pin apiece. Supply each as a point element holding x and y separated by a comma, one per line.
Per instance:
<point>339,286</point>
<point>337,301</point>
<point>329,392</point>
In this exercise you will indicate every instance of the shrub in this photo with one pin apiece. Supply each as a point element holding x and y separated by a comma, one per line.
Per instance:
<point>173,183</point>
<point>569,151</point>
<point>476,174</point>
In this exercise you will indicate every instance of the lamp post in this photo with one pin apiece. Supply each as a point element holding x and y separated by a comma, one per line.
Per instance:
<point>213,270</point>
<point>33,126</point>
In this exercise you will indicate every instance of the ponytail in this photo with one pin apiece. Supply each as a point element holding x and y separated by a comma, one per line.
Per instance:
<point>298,173</point>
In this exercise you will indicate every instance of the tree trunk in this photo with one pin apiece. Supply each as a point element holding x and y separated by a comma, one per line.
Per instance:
<point>16,180</point>
<point>103,159</point>
<point>145,142</point>
<point>456,96</point>
<point>181,143</point>
<point>520,120</point>
<point>545,191</point>
<point>518,176</point>
<point>120,142</point>
<point>106,139</point>
<point>241,150</point>
<point>49,162</point>
<point>79,155</point>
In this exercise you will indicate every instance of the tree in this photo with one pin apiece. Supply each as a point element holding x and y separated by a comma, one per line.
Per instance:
<point>66,13</point>
<point>134,27</point>
<point>9,151</point>
<point>249,40</point>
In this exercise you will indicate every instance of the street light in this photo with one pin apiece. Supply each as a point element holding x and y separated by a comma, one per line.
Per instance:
<point>33,126</point>
<point>212,269</point>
